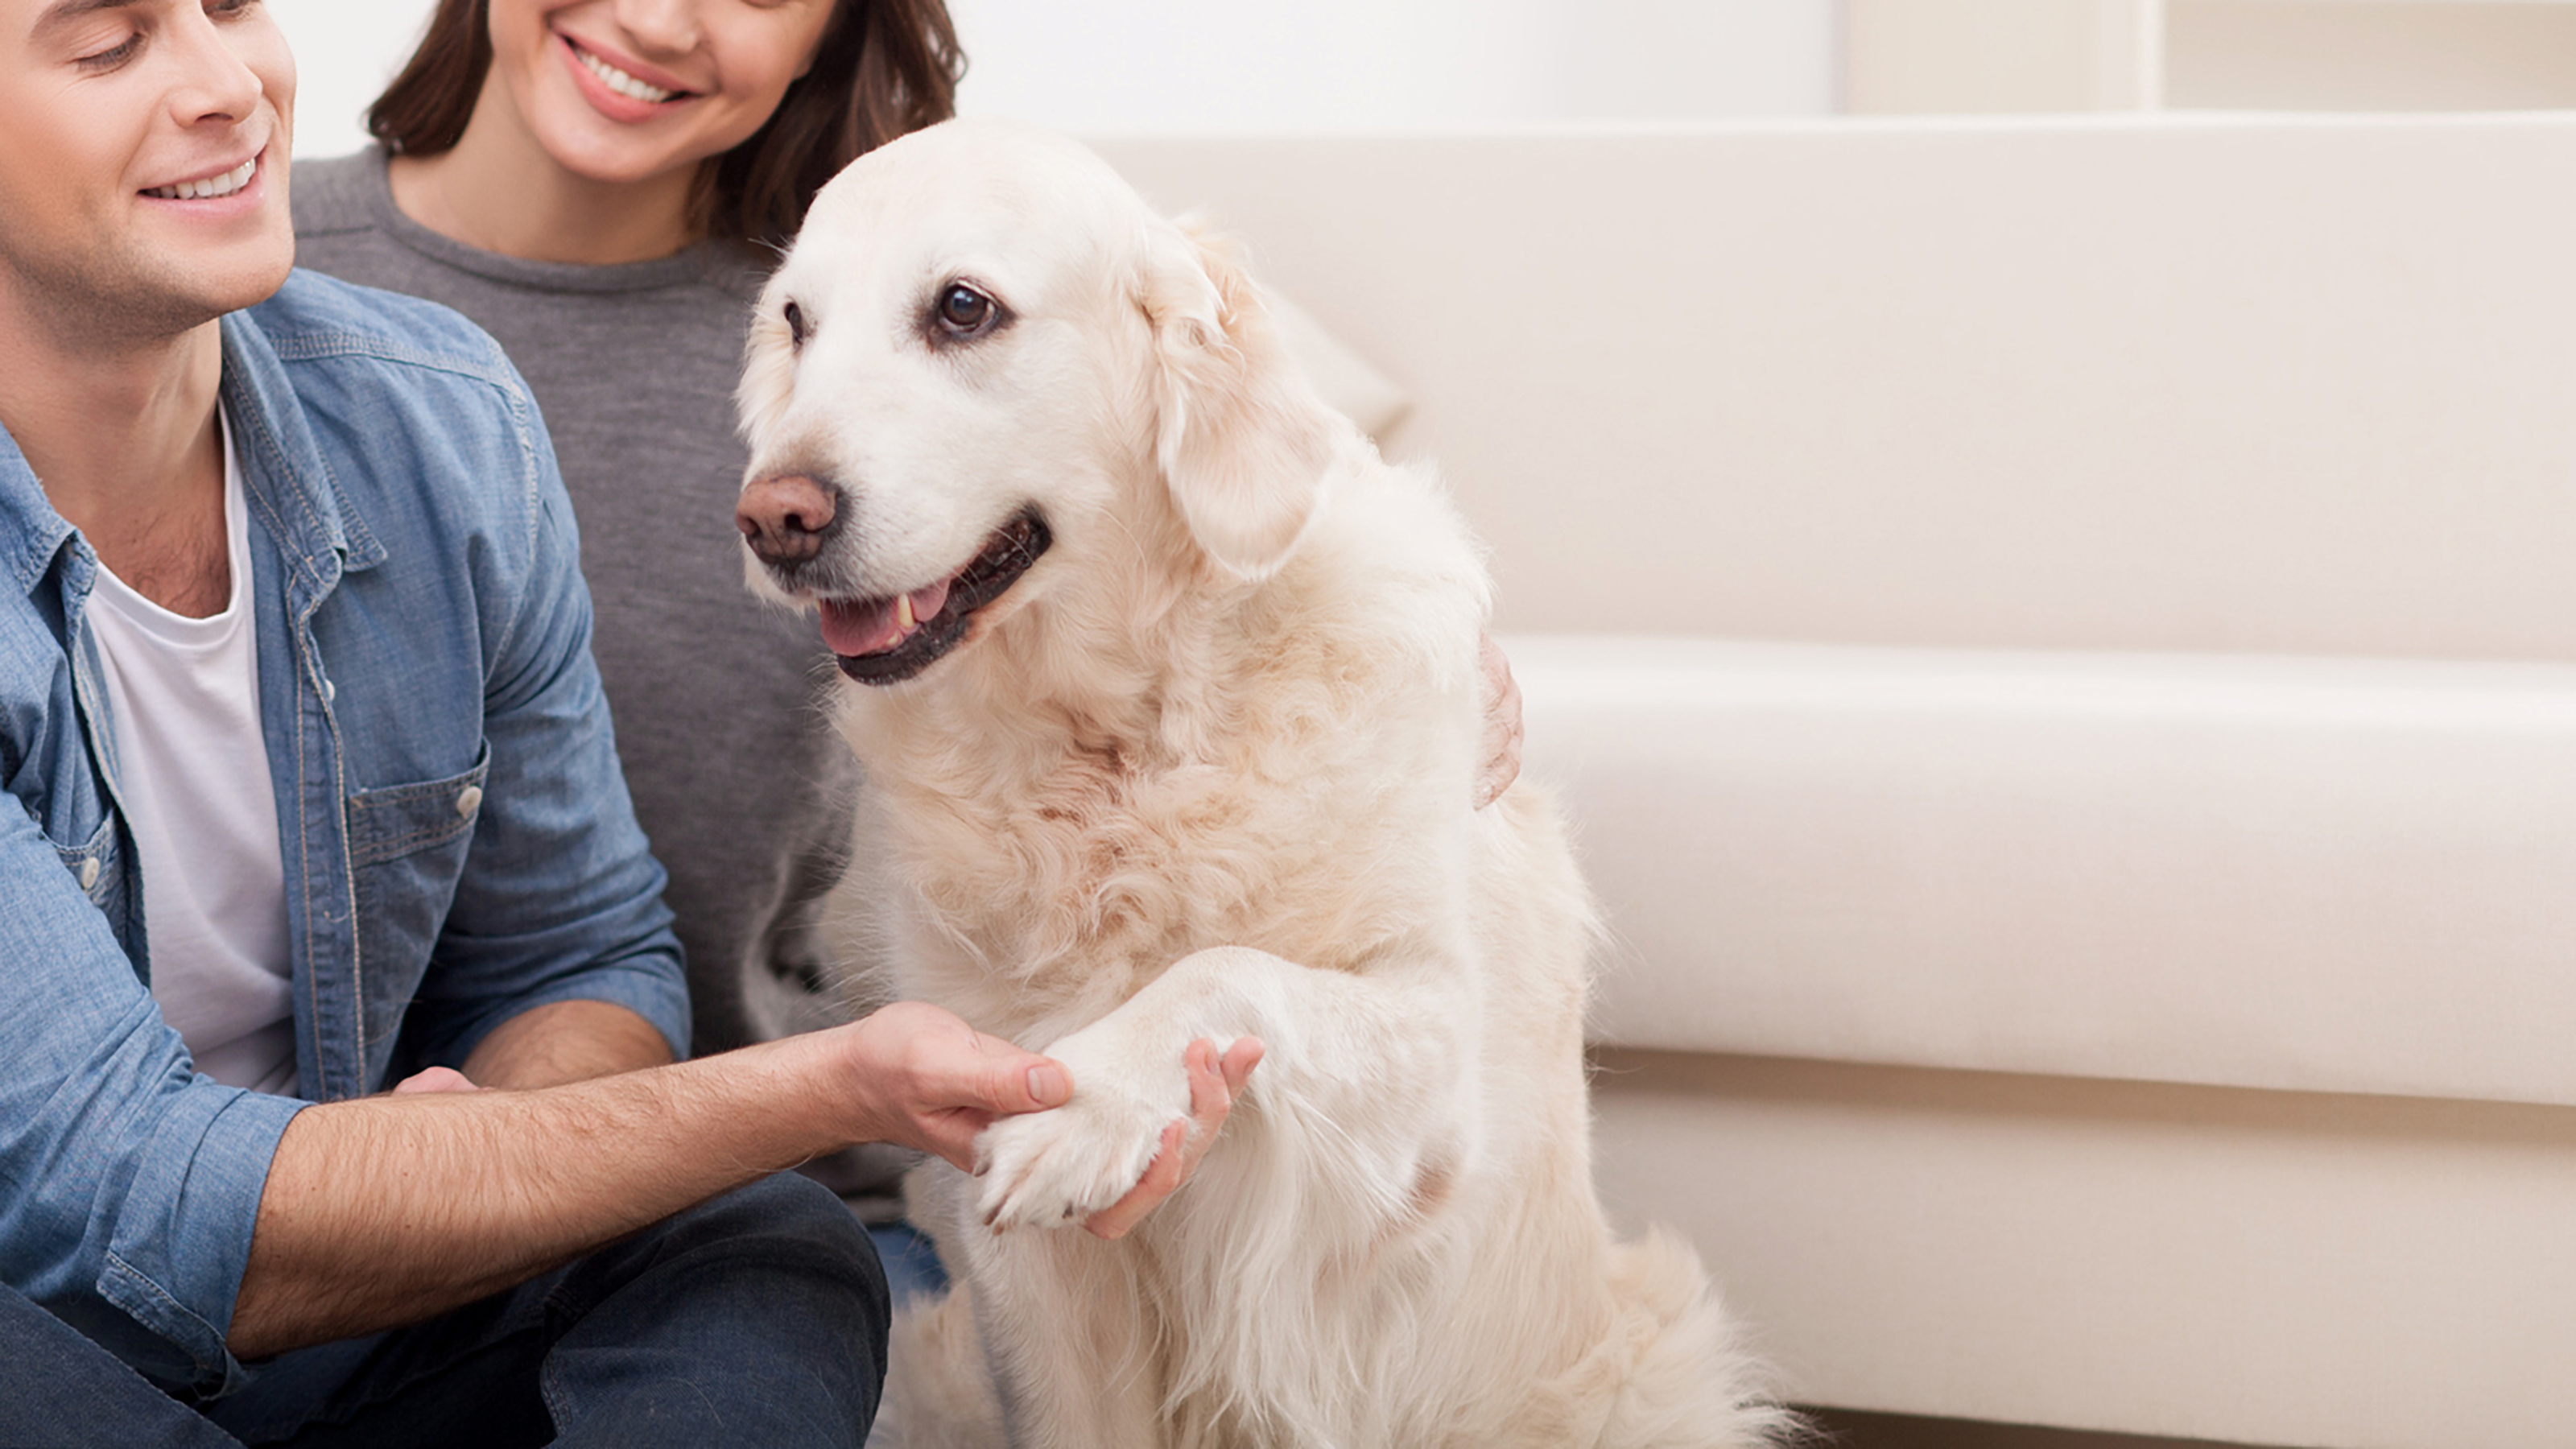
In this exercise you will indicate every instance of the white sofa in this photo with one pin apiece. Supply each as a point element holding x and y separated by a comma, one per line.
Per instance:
<point>2060,640</point>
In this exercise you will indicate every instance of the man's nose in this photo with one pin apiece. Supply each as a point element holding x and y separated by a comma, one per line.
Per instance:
<point>217,84</point>
<point>784,518</point>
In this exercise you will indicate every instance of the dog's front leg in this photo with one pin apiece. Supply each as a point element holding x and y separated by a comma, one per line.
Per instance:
<point>1366,1084</point>
<point>1074,1349</point>
<point>1354,1120</point>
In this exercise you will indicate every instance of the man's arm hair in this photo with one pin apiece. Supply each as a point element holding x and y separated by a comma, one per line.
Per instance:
<point>389,1210</point>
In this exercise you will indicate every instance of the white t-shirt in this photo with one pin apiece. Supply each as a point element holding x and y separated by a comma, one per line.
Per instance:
<point>193,776</point>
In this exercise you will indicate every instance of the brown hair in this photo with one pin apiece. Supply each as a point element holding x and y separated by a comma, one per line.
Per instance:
<point>883,67</point>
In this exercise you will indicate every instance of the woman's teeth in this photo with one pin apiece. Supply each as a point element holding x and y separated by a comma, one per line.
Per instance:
<point>213,186</point>
<point>622,83</point>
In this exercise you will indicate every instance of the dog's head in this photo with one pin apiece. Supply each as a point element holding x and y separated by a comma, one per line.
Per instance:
<point>987,358</point>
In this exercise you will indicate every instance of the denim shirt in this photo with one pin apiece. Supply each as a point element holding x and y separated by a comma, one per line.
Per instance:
<point>457,838</point>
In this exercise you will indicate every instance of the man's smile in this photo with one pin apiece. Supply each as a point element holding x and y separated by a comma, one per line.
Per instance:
<point>210,185</point>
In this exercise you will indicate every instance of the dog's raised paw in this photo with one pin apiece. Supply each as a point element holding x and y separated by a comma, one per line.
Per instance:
<point>1057,1168</point>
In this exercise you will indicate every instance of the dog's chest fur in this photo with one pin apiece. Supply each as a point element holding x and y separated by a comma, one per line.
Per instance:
<point>1078,846</point>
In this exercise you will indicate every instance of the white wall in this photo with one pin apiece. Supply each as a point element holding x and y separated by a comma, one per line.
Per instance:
<point>1904,56</point>
<point>2370,55</point>
<point>1341,65</point>
<point>1986,56</point>
<point>345,51</point>
<point>1263,65</point>
<point>1307,66</point>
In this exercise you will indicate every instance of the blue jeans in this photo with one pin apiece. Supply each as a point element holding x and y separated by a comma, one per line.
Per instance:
<point>758,1318</point>
<point>912,1266</point>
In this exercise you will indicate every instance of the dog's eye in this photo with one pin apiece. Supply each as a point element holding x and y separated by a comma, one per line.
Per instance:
<point>795,325</point>
<point>963,311</point>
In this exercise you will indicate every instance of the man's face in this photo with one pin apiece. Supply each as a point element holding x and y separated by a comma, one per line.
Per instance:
<point>143,162</point>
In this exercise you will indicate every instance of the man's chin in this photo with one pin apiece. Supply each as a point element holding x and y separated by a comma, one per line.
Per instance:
<point>222,264</point>
<point>256,285</point>
<point>208,286</point>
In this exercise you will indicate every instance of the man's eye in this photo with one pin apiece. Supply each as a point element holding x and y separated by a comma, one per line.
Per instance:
<point>115,56</point>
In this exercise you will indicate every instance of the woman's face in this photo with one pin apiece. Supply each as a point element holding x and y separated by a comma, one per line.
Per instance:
<point>626,90</point>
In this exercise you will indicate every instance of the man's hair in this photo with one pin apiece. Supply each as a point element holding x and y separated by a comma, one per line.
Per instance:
<point>883,68</point>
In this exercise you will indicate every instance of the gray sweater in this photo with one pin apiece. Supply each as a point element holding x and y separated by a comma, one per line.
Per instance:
<point>737,780</point>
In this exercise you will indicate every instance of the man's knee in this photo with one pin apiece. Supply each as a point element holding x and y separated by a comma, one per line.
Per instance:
<point>795,1214</point>
<point>764,1309</point>
<point>57,1387</point>
<point>786,1231</point>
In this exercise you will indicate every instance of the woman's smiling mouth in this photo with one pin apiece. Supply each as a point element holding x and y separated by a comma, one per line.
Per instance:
<point>616,83</point>
<point>619,81</point>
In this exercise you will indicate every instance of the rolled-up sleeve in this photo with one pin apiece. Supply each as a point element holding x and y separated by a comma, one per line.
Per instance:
<point>129,1186</point>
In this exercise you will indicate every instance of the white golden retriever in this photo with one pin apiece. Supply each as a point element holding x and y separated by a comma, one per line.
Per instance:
<point>1168,693</point>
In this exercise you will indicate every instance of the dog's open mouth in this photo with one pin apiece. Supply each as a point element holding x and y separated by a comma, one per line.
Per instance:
<point>887,641</point>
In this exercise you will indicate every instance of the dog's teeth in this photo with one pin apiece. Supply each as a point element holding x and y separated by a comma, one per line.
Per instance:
<point>903,612</point>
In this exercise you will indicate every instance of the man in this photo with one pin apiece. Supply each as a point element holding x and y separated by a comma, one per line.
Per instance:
<point>311,790</point>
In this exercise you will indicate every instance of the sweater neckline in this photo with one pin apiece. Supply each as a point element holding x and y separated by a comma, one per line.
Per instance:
<point>730,266</point>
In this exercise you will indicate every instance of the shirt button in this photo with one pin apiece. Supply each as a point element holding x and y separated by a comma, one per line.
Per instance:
<point>89,874</point>
<point>468,800</point>
<point>330,691</point>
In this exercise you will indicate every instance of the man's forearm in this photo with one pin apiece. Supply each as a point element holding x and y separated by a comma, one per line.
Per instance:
<point>391,1209</point>
<point>566,1041</point>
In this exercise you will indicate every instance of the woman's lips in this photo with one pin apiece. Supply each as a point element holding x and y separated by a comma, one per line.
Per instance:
<point>616,92</point>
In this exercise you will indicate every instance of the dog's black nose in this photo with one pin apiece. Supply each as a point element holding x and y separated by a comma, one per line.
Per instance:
<point>784,518</point>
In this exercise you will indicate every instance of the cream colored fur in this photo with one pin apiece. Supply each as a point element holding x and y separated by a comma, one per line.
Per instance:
<point>1206,771</point>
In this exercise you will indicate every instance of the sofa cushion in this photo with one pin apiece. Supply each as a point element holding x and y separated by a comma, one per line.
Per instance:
<point>2337,875</point>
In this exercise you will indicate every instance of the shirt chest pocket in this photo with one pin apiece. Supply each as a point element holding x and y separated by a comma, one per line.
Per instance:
<point>393,821</point>
<point>407,848</point>
<point>96,865</point>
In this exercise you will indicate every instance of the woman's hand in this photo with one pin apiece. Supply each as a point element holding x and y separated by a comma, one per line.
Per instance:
<point>435,1079</point>
<point>931,1081</point>
<point>1502,727</point>
<point>1214,1084</point>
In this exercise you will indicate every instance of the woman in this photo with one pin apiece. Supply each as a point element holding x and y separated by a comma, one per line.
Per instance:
<point>594,183</point>
<point>600,184</point>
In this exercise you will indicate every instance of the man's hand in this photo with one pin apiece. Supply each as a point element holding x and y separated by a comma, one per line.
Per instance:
<point>1502,727</point>
<point>933,1082</point>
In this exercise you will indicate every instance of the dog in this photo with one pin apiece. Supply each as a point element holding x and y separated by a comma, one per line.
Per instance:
<point>1167,689</point>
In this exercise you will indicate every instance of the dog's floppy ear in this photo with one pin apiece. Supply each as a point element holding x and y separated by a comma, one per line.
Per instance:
<point>1241,438</point>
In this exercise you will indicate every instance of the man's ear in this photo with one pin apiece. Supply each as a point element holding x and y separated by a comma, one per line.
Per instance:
<point>1241,438</point>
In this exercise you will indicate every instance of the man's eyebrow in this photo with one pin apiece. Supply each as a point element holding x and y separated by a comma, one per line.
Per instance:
<point>64,12</point>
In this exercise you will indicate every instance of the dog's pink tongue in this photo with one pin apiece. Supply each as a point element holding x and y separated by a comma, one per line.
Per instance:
<point>852,628</point>
<point>928,602</point>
